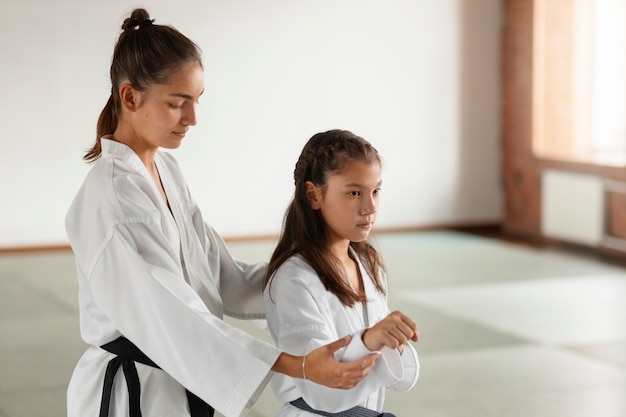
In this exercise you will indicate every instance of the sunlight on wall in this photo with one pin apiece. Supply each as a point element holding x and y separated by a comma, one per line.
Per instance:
<point>579,81</point>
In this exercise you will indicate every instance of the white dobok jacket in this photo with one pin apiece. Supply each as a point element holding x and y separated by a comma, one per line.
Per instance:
<point>302,315</point>
<point>163,279</point>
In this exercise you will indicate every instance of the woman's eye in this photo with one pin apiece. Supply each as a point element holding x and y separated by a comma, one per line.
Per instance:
<point>174,105</point>
<point>354,193</point>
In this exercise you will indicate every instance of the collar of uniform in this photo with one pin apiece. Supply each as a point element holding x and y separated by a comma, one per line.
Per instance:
<point>122,151</point>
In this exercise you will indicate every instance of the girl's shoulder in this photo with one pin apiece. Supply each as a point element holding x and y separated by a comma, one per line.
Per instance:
<point>294,266</point>
<point>294,273</point>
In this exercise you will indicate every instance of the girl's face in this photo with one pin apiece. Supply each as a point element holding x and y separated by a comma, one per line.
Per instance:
<point>165,112</point>
<point>349,202</point>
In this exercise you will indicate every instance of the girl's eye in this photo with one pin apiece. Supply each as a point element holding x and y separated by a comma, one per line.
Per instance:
<point>174,105</point>
<point>377,191</point>
<point>354,193</point>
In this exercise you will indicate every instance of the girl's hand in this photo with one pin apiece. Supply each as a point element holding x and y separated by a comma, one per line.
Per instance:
<point>394,331</point>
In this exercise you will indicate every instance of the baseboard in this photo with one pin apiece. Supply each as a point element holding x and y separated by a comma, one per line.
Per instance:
<point>34,248</point>
<point>483,229</point>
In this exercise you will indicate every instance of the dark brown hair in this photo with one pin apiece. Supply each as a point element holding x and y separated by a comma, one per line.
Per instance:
<point>145,54</point>
<point>304,230</point>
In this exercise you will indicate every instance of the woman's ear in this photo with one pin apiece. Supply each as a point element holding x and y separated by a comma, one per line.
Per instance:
<point>129,97</point>
<point>313,194</point>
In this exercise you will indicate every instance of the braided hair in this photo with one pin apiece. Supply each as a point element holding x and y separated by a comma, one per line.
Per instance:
<point>304,230</point>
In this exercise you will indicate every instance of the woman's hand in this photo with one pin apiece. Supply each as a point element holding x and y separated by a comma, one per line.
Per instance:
<point>394,331</point>
<point>320,366</point>
<point>323,368</point>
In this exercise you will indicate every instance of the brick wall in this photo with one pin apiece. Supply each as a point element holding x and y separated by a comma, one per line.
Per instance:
<point>520,174</point>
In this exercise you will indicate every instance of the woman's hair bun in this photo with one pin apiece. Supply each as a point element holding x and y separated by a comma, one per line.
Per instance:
<point>139,18</point>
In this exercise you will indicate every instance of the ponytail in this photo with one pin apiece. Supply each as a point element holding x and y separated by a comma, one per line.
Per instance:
<point>107,123</point>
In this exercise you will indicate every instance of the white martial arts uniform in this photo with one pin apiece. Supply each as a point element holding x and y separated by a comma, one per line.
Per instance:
<point>302,315</point>
<point>163,280</point>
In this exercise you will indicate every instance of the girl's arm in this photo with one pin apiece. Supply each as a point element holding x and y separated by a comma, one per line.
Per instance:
<point>300,324</point>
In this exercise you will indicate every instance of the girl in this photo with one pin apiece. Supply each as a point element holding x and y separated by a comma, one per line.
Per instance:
<point>325,281</point>
<point>154,279</point>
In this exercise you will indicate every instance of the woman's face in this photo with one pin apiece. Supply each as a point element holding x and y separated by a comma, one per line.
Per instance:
<point>165,112</point>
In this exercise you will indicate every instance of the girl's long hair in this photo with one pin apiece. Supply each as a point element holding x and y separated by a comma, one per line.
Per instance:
<point>304,230</point>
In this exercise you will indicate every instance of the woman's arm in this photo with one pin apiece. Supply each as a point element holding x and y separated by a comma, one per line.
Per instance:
<point>320,366</point>
<point>240,283</point>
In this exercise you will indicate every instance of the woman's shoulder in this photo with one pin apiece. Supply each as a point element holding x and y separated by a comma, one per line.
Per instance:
<point>168,158</point>
<point>121,186</point>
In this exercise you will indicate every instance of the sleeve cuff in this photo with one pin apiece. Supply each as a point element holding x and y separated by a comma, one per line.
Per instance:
<point>409,368</point>
<point>356,349</point>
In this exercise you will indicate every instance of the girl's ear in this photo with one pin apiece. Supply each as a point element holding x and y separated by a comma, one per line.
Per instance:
<point>313,194</point>
<point>129,97</point>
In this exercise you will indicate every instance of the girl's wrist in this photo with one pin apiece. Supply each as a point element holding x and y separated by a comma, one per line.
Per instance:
<point>365,341</point>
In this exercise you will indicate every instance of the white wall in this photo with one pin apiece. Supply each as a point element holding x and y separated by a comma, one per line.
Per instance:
<point>418,78</point>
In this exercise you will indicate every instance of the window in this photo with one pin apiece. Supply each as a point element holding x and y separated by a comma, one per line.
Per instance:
<point>579,81</point>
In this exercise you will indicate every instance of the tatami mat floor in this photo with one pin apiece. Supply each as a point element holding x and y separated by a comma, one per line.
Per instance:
<point>506,330</point>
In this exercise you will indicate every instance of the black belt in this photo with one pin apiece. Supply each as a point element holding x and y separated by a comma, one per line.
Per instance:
<point>127,354</point>
<point>352,412</point>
